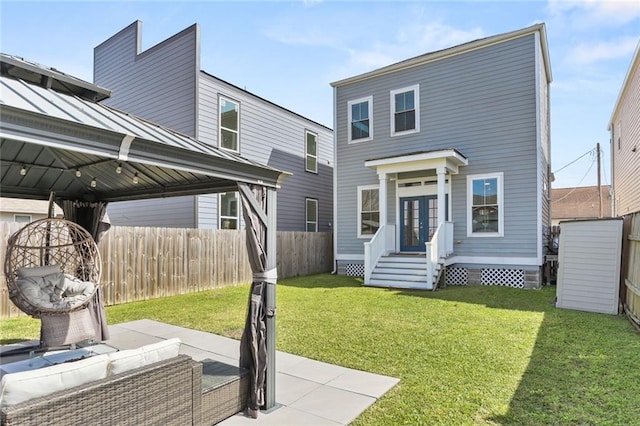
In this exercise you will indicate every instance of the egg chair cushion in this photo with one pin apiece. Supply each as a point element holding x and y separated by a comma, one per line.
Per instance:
<point>55,291</point>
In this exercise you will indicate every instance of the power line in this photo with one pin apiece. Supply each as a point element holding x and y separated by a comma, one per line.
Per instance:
<point>591,151</point>
<point>576,187</point>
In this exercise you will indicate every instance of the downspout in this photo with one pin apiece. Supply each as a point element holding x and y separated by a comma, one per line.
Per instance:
<point>335,185</point>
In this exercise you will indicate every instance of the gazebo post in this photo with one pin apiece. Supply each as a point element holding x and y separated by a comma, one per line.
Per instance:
<point>270,379</point>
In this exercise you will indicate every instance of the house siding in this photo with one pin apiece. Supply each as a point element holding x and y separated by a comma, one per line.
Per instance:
<point>482,103</point>
<point>164,84</point>
<point>625,126</point>
<point>544,151</point>
<point>174,212</point>
<point>274,136</point>
<point>158,84</point>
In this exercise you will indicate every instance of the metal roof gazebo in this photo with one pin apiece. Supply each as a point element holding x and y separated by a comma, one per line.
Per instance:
<point>55,137</point>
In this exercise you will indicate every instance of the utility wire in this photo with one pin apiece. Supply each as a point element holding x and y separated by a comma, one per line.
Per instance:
<point>583,177</point>
<point>591,151</point>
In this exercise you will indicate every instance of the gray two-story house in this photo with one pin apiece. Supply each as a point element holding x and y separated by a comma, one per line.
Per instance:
<point>165,84</point>
<point>442,166</point>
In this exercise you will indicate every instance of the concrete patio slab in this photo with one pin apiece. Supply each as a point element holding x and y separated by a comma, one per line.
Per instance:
<point>308,392</point>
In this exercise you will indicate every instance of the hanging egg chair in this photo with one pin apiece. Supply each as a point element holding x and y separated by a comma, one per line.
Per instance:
<point>52,268</point>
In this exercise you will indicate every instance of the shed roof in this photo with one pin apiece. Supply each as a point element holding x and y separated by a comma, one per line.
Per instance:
<point>60,141</point>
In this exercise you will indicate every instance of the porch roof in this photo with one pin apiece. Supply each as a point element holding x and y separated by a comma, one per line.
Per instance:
<point>450,159</point>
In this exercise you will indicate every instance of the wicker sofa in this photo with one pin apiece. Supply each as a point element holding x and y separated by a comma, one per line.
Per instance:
<point>168,392</point>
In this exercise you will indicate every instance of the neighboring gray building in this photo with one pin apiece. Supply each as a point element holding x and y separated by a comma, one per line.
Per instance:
<point>446,153</point>
<point>165,84</point>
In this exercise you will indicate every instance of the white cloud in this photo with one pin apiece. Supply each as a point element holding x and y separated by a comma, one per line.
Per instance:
<point>587,53</point>
<point>601,13</point>
<point>409,41</point>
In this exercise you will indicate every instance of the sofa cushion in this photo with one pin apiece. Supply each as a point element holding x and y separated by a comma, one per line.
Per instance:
<point>130,359</point>
<point>26,385</point>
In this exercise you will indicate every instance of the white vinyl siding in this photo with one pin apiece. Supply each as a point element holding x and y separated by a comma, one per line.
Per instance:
<point>311,152</point>
<point>229,120</point>
<point>360,113</point>
<point>368,210</point>
<point>405,110</point>
<point>485,205</point>
<point>311,208</point>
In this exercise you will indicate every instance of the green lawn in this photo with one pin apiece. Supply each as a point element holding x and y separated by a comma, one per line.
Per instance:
<point>468,355</point>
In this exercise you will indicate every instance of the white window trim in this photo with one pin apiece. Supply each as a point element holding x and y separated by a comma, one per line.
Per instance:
<point>228,99</point>
<point>368,99</point>
<point>306,213</point>
<point>499,176</point>
<point>306,151</point>
<point>360,189</point>
<point>392,107</point>
<point>221,217</point>
<point>15,216</point>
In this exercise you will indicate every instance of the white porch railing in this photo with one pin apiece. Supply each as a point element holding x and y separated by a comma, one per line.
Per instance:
<point>383,242</point>
<point>440,246</point>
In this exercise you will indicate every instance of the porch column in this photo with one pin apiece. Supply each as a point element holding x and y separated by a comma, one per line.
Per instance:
<point>441,172</point>
<point>382,195</point>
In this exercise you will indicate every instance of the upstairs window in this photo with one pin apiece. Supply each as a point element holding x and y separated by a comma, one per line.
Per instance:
<point>312,215</point>
<point>368,211</point>
<point>229,124</point>
<point>360,111</point>
<point>311,149</point>
<point>228,210</point>
<point>405,110</point>
<point>485,217</point>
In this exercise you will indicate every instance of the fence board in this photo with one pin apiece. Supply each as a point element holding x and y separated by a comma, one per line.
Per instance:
<point>141,263</point>
<point>632,267</point>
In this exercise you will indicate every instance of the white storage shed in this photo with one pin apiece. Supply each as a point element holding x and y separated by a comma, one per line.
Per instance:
<point>589,260</point>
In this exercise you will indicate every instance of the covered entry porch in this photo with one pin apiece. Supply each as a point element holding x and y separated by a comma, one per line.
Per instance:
<point>410,246</point>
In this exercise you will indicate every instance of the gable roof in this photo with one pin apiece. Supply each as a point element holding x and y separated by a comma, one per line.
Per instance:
<point>456,50</point>
<point>580,202</point>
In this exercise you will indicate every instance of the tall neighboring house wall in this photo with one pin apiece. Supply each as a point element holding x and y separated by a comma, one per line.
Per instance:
<point>625,143</point>
<point>165,84</point>
<point>491,104</point>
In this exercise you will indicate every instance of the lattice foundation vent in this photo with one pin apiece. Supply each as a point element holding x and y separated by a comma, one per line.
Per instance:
<point>503,277</point>
<point>457,276</point>
<point>354,270</point>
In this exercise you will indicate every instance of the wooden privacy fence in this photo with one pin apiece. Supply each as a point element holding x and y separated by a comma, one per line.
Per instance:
<point>141,263</point>
<point>631,265</point>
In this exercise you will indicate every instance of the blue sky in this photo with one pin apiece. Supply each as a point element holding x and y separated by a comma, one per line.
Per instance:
<point>289,52</point>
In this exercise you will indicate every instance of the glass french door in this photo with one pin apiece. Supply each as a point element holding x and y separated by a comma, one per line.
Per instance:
<point>418,221</point>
